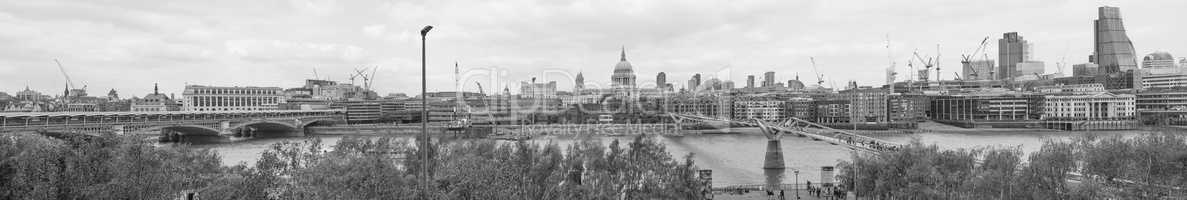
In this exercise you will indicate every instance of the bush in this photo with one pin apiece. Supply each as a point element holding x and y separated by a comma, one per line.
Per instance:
<point>1154,161</point>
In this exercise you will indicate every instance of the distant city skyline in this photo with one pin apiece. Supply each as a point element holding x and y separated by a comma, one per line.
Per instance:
<point>129,46</point>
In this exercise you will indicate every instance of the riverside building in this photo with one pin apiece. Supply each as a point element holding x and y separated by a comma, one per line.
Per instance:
<point>216,98</point>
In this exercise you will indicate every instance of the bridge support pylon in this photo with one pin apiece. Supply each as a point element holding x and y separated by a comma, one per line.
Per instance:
<point>774,156</point>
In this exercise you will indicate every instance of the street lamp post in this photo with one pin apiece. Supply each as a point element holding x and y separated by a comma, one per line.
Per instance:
<point>424,117</point>
<point>797,182</point>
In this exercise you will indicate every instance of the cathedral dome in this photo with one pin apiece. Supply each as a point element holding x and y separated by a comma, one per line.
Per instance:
<point>623,66</point>
<point>624,73</point>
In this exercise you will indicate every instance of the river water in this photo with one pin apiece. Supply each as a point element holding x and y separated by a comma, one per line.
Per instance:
<point>734,158</point>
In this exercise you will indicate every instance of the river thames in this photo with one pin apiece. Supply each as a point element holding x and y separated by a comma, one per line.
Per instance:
<point>736,158</point>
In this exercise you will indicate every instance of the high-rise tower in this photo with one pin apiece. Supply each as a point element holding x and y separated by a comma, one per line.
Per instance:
<point>750,81</point>
<point>1012,49</point>
<point>768,79</point>
<point>1114,51</point>
<point>661,80</point>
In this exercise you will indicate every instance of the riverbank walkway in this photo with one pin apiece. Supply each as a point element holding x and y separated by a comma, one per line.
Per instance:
<point>762,195</point>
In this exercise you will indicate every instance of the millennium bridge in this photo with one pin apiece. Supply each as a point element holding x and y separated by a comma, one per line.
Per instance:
<point>791,125</point>
<point>855,142</point>
<point>171,125</point>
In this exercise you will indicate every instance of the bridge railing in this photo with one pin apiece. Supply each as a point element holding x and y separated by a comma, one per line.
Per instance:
<point>68,120</point>
<point>814,130</point>
<point>126,113</point>
<point>761,187</point>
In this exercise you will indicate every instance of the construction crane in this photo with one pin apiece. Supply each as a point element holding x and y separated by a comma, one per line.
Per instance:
<point>891,74</point>
<point>69,83</point>
<point>367,78</point>
<point>992,71</point>
<point>819,77</point>
<point>372,78</point>
<point>967,59</point>
<point>937,65</point>
<point>315,75</point>
<point>973,74</point>
<point>353,76</point>
<point>489,116</point>
<point>927,64</point>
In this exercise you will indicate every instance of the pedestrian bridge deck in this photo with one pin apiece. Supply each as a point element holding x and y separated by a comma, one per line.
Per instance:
<point>808,129</point>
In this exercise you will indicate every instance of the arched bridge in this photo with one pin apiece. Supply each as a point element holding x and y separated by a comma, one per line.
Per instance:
<point>802,128</point>
<point>172,123</point>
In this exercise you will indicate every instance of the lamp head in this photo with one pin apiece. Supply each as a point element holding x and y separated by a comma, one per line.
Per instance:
<point>425,31</point>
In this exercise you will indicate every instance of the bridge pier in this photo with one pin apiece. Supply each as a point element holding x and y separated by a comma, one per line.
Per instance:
<point>774,156</point>
<point>224,128</point>
<point>169,136</point>
<point>300,129</point>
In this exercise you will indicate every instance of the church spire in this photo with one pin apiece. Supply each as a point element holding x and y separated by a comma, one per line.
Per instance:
<point>623,53</point>
<point>155,90</point>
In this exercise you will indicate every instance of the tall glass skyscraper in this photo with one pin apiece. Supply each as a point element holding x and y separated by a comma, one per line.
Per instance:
<point>1114,51</point>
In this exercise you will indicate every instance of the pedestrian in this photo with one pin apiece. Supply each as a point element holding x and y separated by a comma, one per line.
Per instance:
<point>781,195</point>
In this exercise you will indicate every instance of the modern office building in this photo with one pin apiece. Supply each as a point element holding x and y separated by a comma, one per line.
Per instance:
<point>750,81</point>
<point>1164,81</point>
<point>799,107</point>
<point>768,79</point>
<point>1012,49</point>
<point>1112,81</point>
<point>1030,68</point>
<point>362,111</point>
<point>1085,69</point>
<point>1163,106</point>
<point>715,106</point>
<point>215,98</point>
<point>989,110</point>
<point>661,80</point>
<point>867,105</point>
<point>1114,51</point>
<point>1093,88</point>
<point>907,108</point>
<point>694,83</point>
<point>766,109</point>
<point>977,70</point>
<point>1158,59</point>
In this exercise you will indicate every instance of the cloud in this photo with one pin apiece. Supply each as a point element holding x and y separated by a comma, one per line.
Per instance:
<point>130,44</point>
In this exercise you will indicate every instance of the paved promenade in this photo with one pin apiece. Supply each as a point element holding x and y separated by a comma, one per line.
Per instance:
<point>762,195</point>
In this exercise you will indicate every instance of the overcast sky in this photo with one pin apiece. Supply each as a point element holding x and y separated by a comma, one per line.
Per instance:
<point>129,45</point>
